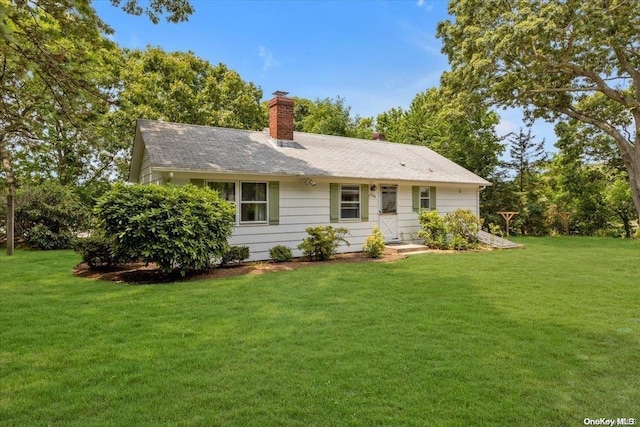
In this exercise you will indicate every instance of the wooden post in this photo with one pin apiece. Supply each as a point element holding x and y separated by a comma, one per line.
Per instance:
<point>507,217</point>
<point>10,225</point>
<point>565,216</point>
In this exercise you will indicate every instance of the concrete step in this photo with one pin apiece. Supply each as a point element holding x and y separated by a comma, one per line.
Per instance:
<point>403,248</point>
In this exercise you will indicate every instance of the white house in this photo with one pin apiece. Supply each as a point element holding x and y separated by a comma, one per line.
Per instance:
<point>282,181</point>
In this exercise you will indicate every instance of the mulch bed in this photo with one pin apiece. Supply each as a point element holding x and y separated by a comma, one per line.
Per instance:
<point>141,273</point>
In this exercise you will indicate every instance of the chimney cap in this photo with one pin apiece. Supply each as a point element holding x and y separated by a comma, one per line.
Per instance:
<point>280,93</point>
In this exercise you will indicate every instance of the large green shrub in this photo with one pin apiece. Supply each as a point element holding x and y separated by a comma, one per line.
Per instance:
<point>322,242</point>
<point>374,245</point>
<point>433,230</point>
<point>183,228</point>
<point>457,230</point>
<point>463,225</point>
<point>47,215</point>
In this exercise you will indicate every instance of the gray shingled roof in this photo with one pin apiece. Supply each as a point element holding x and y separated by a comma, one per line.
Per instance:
<point>183,147</point>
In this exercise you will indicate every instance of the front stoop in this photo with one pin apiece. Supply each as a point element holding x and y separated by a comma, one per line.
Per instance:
<point>405,248</point>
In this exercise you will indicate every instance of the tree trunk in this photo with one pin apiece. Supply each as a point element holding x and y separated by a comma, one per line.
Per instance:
<point>632,163</point>
<point>10,226</point>
<point>6,166</point>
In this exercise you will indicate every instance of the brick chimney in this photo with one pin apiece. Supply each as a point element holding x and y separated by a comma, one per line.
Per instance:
<point>281,117</point>
<point>379,136</point>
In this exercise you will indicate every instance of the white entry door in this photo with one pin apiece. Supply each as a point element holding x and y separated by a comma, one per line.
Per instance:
<point>388,218</point>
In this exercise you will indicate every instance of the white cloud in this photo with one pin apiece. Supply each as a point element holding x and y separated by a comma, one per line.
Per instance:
<point>422,4</point>
<point>424,40</point>
<point>506,127</point>
<point>268,60</point>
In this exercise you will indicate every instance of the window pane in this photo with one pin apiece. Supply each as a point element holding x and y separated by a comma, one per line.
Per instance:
<point>253,212</point>
<point>348,212</point>
<point>425,196</point>
<point>389,199</point>
<point>226,190</point>
<point>350,193</point>
<point>254,191</point>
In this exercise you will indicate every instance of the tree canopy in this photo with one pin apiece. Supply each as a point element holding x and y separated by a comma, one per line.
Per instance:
<point>462,133</point>
<point>329,116</point>
<point>181,87</point>
<point>549,58</point>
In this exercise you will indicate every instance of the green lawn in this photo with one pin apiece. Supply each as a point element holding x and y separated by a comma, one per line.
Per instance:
<point>546,335</point>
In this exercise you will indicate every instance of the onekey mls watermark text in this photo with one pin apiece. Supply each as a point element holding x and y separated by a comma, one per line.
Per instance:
<point>609,421</point>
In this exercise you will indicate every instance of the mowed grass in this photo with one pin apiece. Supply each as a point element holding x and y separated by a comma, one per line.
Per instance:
<point>546,335</point>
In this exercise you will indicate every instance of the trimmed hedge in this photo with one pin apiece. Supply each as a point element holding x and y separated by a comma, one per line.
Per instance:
<point>178,228</point>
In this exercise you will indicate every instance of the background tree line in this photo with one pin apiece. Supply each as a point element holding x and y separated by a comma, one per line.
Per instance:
<point>71,97</point>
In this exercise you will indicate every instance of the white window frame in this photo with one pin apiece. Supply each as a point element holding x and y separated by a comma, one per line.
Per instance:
<point>341,202</point>
<point>242,202</point>
<point>425,198</point>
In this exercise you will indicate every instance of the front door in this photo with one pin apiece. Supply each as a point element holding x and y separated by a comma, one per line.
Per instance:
<point>388,219</point>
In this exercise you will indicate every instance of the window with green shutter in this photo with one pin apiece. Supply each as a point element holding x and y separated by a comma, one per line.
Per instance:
<point>348,202</point>
<point>423,198</point>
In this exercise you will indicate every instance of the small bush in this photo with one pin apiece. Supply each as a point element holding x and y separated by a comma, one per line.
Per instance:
<point>322,242</point>
<point>457,230</point>
<point>234,254</point>
<point>280,253</point>
<point>96,251</point>
<point>374,245</point>
<point>433,230</point>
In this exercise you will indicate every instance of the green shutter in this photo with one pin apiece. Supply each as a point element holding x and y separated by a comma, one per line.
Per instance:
<point>432,198</point>
<point>364,202</point>
<point>274,203</point>
<point>197,182</point>
<point>415,198</point>
<point>334,202</point>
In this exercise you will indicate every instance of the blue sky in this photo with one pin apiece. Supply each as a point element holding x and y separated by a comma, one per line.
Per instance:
<point>375,54</point>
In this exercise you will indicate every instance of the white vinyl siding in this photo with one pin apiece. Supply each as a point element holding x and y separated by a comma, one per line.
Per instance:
<point>302,206</point>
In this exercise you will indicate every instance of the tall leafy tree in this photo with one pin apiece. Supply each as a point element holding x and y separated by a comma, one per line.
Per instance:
<point>464,133</point>
<point>526,157</point>
<point>588,165</point>
<point>578,188</point>
<point>523,168</point>
<point>181,87</point>
<point>330,116</point>
<point>52,45</point>
<point>548,57</point>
